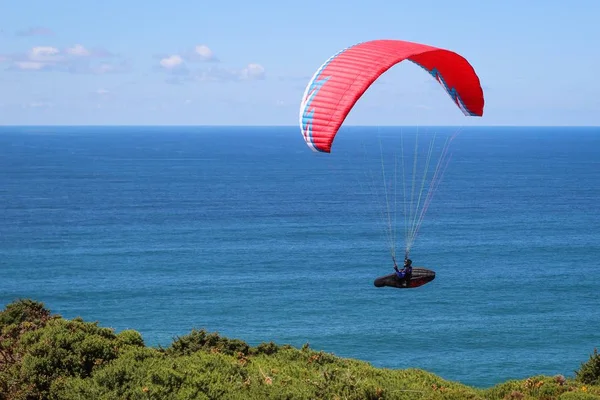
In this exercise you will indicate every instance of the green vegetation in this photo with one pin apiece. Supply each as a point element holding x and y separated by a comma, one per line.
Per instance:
<point>44,356</point>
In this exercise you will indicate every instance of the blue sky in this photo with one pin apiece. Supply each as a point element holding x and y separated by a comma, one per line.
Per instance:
<point>247,63</point>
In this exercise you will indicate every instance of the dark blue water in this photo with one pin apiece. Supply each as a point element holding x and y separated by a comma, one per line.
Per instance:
<point>246,232</point>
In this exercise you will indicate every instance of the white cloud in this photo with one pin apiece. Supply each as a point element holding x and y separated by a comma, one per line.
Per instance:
<point>78,50</point>
<point>44,53</point>
<point>204,51</point>
<point>253,71</point>
<point>74,59</point>
<point>171,62</point>
<point>179,67</point>
<point>176,62</point>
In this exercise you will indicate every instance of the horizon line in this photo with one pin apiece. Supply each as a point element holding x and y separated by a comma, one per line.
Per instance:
<point>288,126</point>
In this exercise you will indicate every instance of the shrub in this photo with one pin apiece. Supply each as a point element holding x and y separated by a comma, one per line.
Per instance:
<point>266,348</point>
<point>589,372</point>
<point>22,311</point>
<point>130,337</point>
<point>201,340</point>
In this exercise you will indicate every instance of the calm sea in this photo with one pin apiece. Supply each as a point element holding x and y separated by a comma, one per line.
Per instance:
<point>247,232</point>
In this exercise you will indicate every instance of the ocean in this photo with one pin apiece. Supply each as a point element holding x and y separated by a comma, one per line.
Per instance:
<point>247,232</point>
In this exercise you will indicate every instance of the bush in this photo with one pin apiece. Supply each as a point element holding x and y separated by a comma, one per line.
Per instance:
<point>266,348</point>
<point>130,338</point>
<point>577,396</point>
<point>199,340</point>
<point>589,372</point>
<point>44,356</point>
<point>22,311</point>
<point>62,349</point>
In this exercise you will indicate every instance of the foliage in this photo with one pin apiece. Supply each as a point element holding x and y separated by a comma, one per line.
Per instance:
<point>44,356</point>
<point>200,340</point>
<point>589,372</point>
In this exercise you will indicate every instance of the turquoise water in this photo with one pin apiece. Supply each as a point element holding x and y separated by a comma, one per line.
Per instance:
<point>247,232</point>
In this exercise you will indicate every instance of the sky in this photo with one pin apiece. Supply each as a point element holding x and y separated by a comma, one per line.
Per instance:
<point>183,62</point>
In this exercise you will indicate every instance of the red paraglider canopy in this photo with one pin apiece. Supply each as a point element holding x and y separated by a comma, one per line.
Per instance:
<point>341,81</point>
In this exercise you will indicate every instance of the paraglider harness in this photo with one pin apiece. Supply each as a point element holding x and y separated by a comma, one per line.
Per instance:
<point>406,273</point>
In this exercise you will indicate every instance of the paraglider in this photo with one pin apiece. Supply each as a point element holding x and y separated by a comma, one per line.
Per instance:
<point>341,81</point>
<point>420,276</point>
